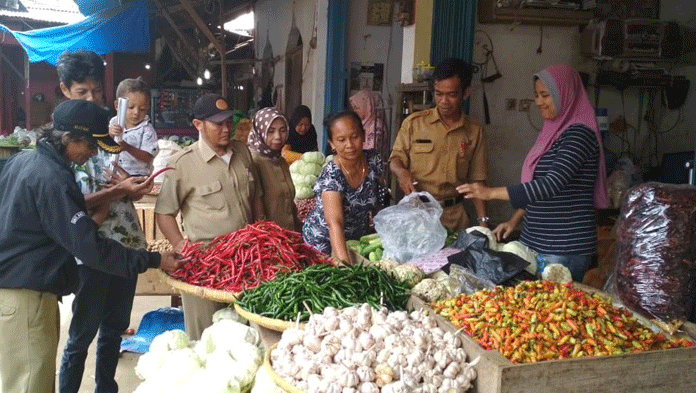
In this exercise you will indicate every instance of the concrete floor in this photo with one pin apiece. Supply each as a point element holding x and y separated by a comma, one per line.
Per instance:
<point>125,373</point>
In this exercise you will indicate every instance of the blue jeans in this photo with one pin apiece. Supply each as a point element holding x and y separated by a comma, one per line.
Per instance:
<point>577,264</point>
<point>103,303</point>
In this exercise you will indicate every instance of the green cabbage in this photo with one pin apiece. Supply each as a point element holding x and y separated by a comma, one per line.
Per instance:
<point>313,157</point>
<point>303,192</point>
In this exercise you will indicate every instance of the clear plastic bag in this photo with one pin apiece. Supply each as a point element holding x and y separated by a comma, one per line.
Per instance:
<point>655,270</point>
<point>469,283</point>
<point>411,229</point>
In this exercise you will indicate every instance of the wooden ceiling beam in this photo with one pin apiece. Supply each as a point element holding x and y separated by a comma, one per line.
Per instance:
<point>179,57</point>
<point>174,26</point>
<point>202,26</point>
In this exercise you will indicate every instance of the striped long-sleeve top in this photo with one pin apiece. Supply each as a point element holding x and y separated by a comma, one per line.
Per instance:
<point>559,201</point>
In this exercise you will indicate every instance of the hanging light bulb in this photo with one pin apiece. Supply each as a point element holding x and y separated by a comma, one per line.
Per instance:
<point>199,81</point>
<point>147,66</point>
<point>206,74</point>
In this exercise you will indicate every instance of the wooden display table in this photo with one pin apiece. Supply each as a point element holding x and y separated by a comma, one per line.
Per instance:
<point>652,371</point>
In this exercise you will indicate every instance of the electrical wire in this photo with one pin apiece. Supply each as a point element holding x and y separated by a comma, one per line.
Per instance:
<point>680,119</point>
<point>314,34</point>
<point>623,137</point>
<point>485,47</point>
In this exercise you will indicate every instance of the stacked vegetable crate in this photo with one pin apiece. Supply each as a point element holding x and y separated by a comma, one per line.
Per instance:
<point>653,371</point>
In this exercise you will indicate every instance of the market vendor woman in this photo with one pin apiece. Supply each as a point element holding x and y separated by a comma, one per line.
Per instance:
<point>346,190</point>
<point>563,177</point>
<point>44,228</point>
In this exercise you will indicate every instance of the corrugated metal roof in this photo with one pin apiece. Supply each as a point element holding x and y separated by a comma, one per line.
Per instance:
<point>53,11</point>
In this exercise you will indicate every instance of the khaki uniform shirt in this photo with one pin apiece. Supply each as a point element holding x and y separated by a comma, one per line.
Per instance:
<point>278,191</point>
<point>215,198</point>
<point>441,158</point>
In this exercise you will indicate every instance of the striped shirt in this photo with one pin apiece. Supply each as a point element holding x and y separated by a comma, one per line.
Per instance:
<point>559,201</point>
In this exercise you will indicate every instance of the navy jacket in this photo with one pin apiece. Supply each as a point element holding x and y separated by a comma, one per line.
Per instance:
<point>44,226</point>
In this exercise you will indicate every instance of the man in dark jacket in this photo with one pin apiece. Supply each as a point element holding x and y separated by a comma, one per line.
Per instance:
<point>43,228</point>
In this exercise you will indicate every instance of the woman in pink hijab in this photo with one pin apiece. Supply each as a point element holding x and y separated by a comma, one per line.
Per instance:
<point>367,105</point>
<point>563,177</point>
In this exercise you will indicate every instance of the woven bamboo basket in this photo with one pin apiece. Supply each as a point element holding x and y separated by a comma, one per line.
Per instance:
<point>202,292</point>
<point>278,325</point>
<point>275,377</point>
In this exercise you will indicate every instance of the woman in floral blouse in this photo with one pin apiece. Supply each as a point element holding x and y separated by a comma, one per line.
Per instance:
<point>347,189</point>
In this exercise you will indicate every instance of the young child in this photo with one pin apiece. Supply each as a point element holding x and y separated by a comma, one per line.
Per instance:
<point>139,139</point>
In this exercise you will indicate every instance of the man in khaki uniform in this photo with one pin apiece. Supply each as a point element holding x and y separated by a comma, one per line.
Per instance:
<point>440,148</point>
<point>216,189</point>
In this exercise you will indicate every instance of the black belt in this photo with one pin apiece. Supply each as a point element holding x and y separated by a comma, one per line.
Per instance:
<point>452,201</point>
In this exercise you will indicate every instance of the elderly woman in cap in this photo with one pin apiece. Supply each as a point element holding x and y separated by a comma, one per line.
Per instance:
<point>43,230</point>
<point>268,135</point>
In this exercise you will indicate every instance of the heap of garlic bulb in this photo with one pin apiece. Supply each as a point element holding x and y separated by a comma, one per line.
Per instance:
<point>364,350</point>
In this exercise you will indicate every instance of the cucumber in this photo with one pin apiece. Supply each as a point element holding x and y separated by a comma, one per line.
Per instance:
<point>378,253</point>
<point>372,256</point>
<point>352,243</point>
<point>366,250</point>
<point>367,238</point>
<point>375,241</point>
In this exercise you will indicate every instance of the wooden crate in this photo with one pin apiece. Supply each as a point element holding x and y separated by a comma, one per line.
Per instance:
<point>654,371</point>
<point>150,284</point>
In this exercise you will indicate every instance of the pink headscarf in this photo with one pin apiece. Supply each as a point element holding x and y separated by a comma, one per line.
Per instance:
<point>365,104</point>
<point>572,107</point>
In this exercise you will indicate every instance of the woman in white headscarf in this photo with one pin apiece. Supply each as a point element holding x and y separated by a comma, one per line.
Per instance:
<point>268,135</point>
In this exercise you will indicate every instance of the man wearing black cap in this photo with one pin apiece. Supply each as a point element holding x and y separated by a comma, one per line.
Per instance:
<point>43,229</point>
<point>216,190</point>
<point>103,302</point>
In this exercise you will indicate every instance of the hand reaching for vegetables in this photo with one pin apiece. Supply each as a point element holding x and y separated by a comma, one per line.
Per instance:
<point>406,181</point>
<point>137,186</point>
<point>479,191</point>
<point>503,231</point>
<point>171,261</point>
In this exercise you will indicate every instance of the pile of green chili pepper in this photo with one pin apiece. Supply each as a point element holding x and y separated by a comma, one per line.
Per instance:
<point>322,286</point>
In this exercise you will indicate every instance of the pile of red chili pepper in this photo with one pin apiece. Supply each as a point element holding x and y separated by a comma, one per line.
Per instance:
<point>541,320</point>
<point>246,257</point>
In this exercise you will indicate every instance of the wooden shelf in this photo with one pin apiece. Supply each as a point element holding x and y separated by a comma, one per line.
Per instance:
<point>489,12</point>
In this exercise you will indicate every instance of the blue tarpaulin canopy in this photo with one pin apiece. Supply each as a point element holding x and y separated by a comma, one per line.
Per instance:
<point>89,7</point>
<point>105,30</point>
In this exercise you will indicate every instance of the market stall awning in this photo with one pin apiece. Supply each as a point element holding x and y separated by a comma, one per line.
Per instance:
<point>90,7</point>
<point>116,29</point>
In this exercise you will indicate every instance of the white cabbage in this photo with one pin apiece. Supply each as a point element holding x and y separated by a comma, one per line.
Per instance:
<point>521,251</point>
<point>492,242</point>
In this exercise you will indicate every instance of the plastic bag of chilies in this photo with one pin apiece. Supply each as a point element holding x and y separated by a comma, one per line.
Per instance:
<point>655,270</point>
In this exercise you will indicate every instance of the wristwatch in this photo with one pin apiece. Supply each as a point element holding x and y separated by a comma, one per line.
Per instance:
<point>483,219</point>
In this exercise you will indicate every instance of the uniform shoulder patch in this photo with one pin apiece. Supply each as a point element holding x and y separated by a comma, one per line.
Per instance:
<point>77,217</point>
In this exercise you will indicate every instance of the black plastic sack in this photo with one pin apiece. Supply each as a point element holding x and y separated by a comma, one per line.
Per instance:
<point>497,267</point>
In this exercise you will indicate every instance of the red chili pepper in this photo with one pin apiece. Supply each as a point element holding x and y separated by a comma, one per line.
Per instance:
<point>244,258</point>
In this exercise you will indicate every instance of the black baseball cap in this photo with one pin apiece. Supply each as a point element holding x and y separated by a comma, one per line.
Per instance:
<point>212,107</point>
<point>87,118</point>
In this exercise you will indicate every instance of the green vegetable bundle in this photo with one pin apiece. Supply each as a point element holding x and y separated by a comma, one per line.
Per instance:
<point>369,246</point>
<point>9,141</point>
<point>321,286</point>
